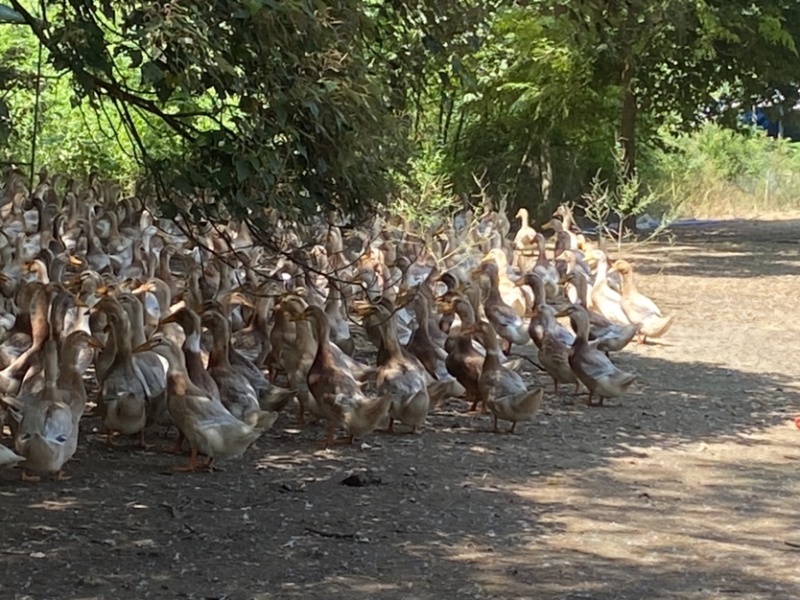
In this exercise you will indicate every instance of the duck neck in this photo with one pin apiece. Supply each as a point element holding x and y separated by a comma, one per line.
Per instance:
<point>219,355</point>
<point>466,313</point>
<point>70,375</point>
<point>494,287</point>
<point>580,285</point>
<point>191,347</point>
<point>323,335</point>
<point>391,345</point>
<point>492,360</point>
<point>602,270</point>
<point>541,260</point>
<point>628,285</point>
<point>122,337</point>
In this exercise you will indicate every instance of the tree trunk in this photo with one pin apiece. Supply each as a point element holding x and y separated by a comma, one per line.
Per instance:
<point>628,125</point>
<point>628,132</point>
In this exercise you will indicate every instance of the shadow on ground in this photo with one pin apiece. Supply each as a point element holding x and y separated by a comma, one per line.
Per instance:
<point>685,489</point>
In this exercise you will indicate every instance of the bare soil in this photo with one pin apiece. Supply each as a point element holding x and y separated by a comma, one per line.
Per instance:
<point>686,488</point>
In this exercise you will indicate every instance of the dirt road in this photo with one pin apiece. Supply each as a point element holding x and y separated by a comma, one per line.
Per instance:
<point>687,488</point>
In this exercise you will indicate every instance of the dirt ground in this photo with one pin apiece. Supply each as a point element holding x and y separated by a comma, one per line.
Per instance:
<point>686,488</point>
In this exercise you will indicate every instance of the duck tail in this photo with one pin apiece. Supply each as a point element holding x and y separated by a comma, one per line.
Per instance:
<point>275,399</point>
<point>265,419</point>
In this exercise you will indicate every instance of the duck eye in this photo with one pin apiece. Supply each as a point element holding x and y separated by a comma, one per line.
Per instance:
<point>26,437</point>
<point>61,438</point>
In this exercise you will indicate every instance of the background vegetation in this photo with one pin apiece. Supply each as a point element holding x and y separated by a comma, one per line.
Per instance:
<point>305,106</point>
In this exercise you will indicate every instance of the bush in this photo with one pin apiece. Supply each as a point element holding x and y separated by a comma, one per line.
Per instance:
<point>718,172</point>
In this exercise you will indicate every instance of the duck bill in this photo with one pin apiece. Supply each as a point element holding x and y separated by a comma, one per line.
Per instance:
<point>144,347</point>
<point>171,318</point>
<point>75,261</point>
<point>95,343</point>
<point>362,308</point>
<point>240,298</point>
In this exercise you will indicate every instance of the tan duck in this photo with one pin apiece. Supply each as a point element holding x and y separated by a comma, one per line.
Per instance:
<point>592,367</point>
<point>336,391</point>
<point>608,336</point>
<point>271,398</point>
<point>401,376</point>
<point>125,400</point>
<point>543,317</point>
<point>337,317</point>
<point>72,368</point>
<point>553,340</point>
<point>235,391</point>
<point>48,430</point>
<point>504,319</point>
<point>420,345</point>
<point>298,360</point>
<point>638,308</point>
<point>604,299</point>
<point>546,270</point>
<point>509,292</point>
<point>502,390</point>
<point>206,424</point>
<point>11,377</point>
<point>192,353</point>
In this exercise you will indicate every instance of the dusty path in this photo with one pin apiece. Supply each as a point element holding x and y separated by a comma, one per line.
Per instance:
<point>688,488</point>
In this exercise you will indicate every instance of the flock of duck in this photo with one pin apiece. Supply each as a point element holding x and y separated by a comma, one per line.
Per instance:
<point>202,329</point>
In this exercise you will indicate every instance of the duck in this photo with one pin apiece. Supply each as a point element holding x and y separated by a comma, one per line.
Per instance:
<point>502,390</point>
<point>297,362</point>
<point>48,429</point>
<point>11,377</point>
<point>401,376</point>
<point>638,308</point>
<point>420,345</point>
<point>124,398</point>
<point>553,340</point>
<point>607,336</point>
<point>336,390</point>
<point>271,398</point>
<point>72,367</point>
<point>463,361</point>
<point>505,321</point>
<point>206,424</point>
<point>591,366</point>
<point>604,299</point>
<point>9,458</point>
<point>191,324</point>
<point>546,270</point>
<point>337,317</point>
<point>543,317</point>
<point>235,391</point>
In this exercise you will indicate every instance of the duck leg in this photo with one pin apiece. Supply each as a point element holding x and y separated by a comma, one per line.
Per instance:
<point>191,467</point>
<point>110,434</point>
<point>495,429</point>
<point>60,476</point>
<point>178,448</point>
<point>513,425</point>
<point>555,386</point>
<point>142,443</point>
<point>23,476</point>
<point>390,428</point>
<point>330,432</point>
